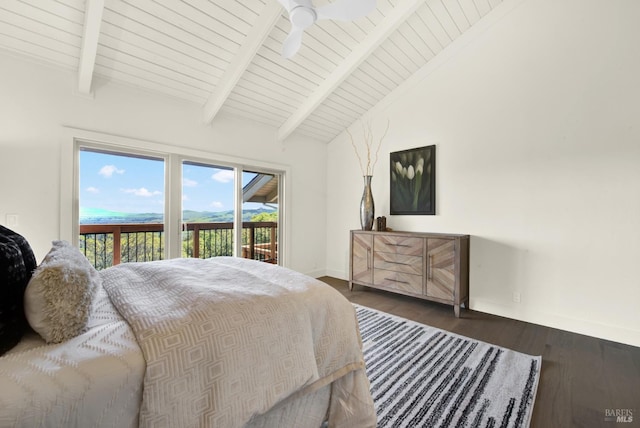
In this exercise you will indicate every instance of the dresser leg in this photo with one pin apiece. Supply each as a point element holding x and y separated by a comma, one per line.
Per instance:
<point>456,310</point>
<point>350,286</point>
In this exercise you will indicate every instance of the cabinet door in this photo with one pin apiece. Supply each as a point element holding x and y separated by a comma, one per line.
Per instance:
<point>441,264</point>
<point>362,258</point>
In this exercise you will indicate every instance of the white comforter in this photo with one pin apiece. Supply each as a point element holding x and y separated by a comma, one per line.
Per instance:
<point>226,339</point>
<point>93,380</point>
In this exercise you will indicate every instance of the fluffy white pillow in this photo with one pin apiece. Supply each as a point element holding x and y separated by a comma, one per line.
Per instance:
<point>57,301</point>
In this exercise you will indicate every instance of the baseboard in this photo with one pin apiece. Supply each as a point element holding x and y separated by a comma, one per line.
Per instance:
<point>580,326</point>
<point>336,274</point>
<point>316,273</point>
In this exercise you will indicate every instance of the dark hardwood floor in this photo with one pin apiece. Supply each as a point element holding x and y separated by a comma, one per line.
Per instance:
<point>581,378</point>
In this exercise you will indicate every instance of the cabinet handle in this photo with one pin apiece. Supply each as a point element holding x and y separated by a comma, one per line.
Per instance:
<point>368,258</point>
<point>430,267</point>
<point>396,280</point>
<point>399,245</point>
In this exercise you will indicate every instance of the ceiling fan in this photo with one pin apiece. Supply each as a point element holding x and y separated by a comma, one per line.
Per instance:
<point>303,14</point>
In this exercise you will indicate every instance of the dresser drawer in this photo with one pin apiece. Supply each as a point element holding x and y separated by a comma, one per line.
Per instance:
<point>398,262</point>
<point>399,244</point>
<point>398,280</point>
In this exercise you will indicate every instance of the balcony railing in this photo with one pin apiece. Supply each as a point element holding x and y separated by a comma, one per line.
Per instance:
<point>106,245</point>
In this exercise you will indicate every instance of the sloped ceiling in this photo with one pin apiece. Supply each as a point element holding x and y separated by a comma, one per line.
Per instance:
<point>225,54</point>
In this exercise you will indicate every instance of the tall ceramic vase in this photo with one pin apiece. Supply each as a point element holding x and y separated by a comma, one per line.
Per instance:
<point>367,207</point>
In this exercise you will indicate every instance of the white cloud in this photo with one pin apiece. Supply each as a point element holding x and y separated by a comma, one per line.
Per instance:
<point>216,204</point>
<point>108,170</point>
<point>189,183</point>
<point>142,192</point>
<point>185,198</point>
<point>224,176</point>
<point>92,190</point>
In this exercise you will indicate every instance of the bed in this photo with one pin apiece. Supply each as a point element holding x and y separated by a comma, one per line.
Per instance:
<point>221,342</point>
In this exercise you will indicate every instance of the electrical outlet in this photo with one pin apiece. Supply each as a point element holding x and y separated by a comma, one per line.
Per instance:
<point>12,220</point>
<point>516,296</point>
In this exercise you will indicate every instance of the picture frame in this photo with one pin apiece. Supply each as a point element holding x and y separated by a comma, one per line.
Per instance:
<point>413,181</point>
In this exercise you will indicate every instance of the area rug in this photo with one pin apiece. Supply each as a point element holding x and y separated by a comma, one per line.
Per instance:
<point>425,377</point>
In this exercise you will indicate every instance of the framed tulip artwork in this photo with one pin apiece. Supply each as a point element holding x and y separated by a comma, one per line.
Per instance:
<point>413,181</point>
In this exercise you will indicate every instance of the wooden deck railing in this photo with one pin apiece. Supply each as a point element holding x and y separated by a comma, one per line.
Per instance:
<point>106,245</point>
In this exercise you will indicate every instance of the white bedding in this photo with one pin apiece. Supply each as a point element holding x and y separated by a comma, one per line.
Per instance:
<point>226,339</point>
<point>97,378</point>
<point>92,380</point>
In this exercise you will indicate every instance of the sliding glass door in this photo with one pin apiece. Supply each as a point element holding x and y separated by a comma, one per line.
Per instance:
<point>121,202</point>
<point>208,210</point>
<point>144,206</point>
<point>210,220</point>
<point>260,215</point>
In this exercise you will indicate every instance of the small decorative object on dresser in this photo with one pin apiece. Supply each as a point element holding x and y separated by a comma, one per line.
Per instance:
<point>431,266</point>
<point>367,206</point>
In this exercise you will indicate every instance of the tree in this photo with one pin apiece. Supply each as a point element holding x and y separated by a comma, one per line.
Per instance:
<point>265,216</point>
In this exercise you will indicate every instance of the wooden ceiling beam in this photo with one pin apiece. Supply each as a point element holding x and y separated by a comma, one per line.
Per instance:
<point>253,41</point>
<point>361,52</point>
<point>89,48</point>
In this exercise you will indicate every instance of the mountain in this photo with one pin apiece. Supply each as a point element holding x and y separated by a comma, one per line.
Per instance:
<point>100,216</point>
<point>206,216</point>
<point>99,213</point>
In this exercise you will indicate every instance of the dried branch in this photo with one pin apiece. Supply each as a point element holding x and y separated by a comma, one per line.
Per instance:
<point>367,133</point>
<point>356,150</point>
<point>379,144</point>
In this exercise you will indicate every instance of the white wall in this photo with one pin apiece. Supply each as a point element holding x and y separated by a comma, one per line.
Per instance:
<point>537,129</point>
<point>37,102</point>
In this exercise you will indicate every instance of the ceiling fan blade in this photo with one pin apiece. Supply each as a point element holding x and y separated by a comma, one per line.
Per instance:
<point>346,10</point>
<point>292,43</point>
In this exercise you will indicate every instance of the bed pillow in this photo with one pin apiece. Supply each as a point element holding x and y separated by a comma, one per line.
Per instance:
<point>16,264</point>
<point>27,253</point>
<point>59,295</point>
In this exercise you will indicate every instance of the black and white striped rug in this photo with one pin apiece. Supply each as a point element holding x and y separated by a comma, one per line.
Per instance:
<point>425,377</point>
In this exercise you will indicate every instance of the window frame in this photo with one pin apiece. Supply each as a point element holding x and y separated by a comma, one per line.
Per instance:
<point>173,156</point>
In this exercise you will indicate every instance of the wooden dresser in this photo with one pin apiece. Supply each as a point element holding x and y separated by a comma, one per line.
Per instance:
<point>430,266</point>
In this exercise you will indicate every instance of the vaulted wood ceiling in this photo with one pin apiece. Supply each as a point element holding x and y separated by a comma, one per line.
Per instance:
<point>226,54</point>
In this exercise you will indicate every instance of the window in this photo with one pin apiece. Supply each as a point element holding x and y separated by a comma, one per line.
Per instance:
<point>121,207</point>
<point>260,216</point>
<point>137,203</point>
<point>208,210</point>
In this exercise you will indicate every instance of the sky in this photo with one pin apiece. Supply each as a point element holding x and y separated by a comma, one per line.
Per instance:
<point>136,185</point>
